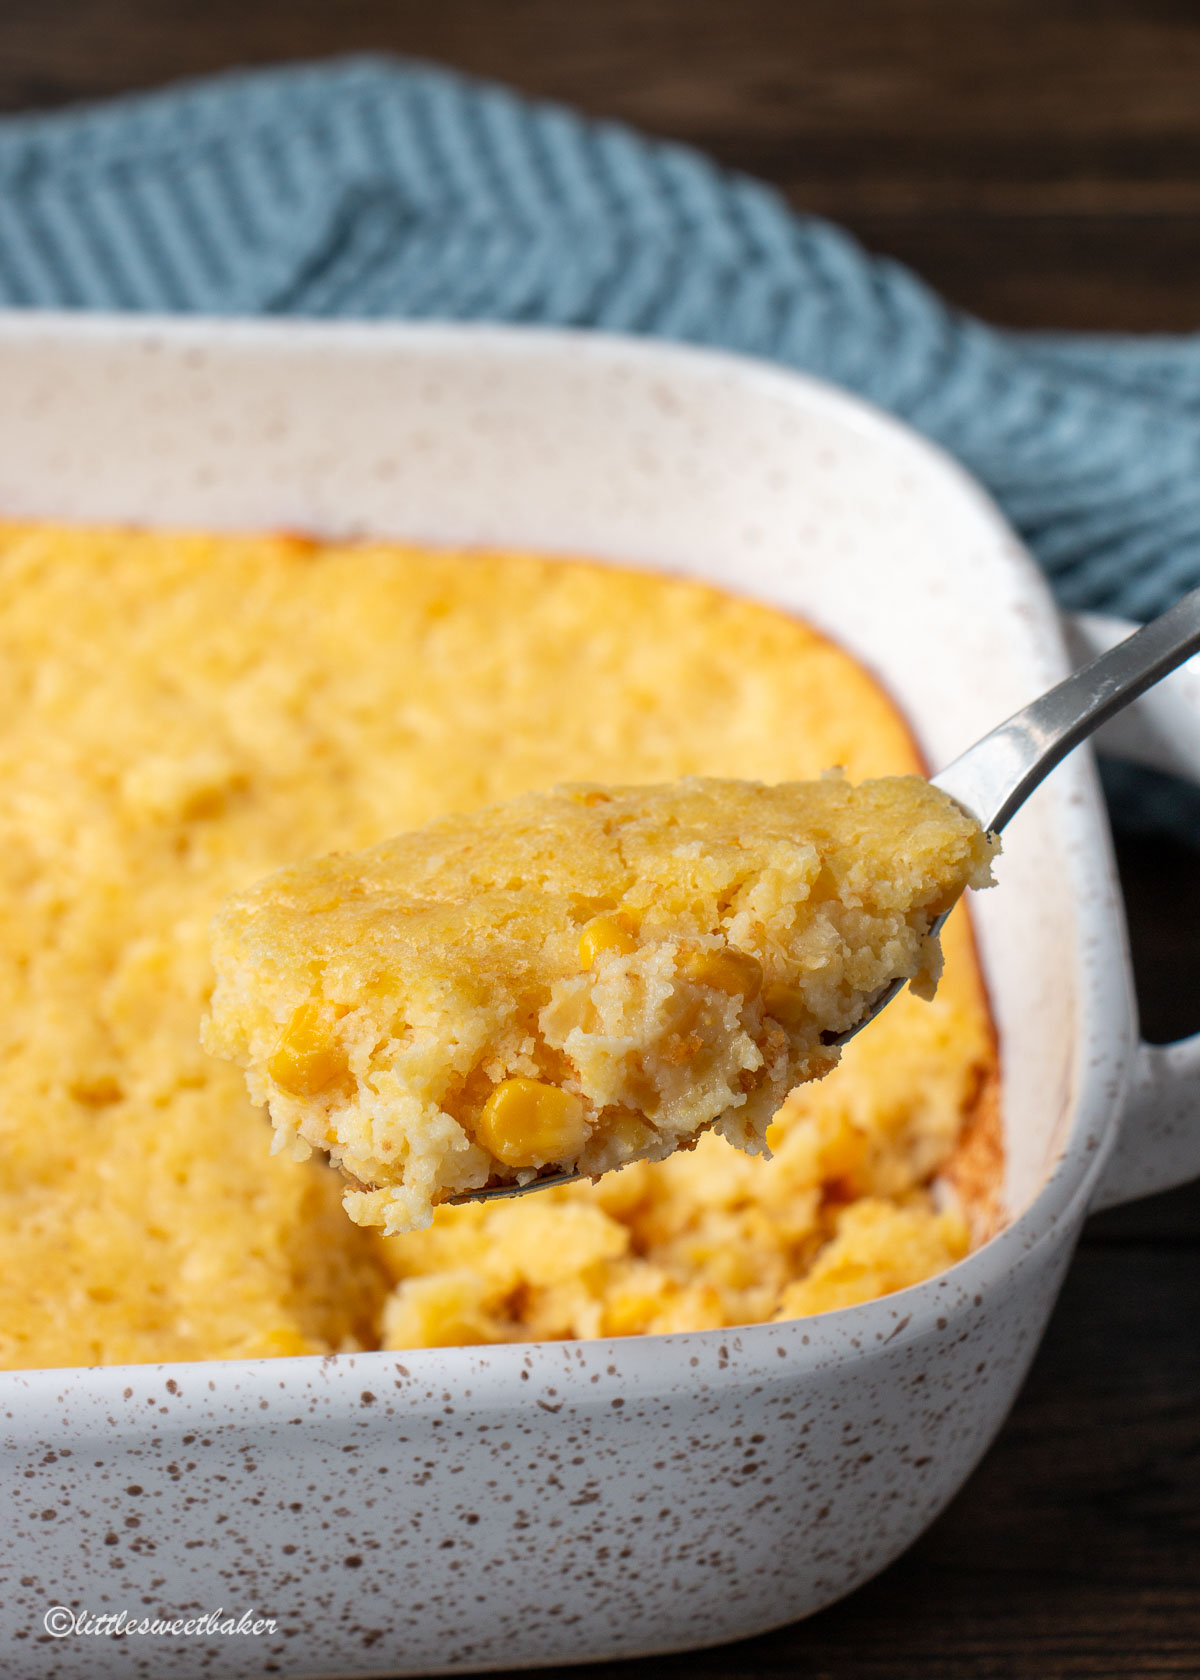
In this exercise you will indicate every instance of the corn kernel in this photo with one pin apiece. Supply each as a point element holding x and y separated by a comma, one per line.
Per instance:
<point>786,1005</point>
<point>631,1313</point>
<point>526,1123</point>
<point>606,933</point>
<point>844,1153</point>
<point>630,1132</point>
<point>282,1344</point>
<point>735,972</point>
<point>306,1060</point>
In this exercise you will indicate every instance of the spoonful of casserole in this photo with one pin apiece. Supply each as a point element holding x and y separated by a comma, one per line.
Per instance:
<point>579,978</point>
<point>582,978</point>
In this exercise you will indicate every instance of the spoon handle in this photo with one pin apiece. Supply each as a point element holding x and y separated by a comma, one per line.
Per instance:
<point>996,776</point>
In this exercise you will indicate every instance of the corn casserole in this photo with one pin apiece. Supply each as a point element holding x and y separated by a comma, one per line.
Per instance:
<point>185,713</point>
<point>580,978</point>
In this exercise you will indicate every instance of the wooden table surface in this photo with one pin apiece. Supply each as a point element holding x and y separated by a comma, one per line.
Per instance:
<point>1039,160</point>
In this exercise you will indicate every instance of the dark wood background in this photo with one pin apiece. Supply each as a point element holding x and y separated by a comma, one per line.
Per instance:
<point>1039,160</point>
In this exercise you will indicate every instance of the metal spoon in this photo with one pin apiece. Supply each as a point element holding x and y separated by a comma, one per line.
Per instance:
<point>994,778</point>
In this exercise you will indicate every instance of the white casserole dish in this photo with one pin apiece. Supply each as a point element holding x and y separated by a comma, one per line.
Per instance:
<point>463,1509</point>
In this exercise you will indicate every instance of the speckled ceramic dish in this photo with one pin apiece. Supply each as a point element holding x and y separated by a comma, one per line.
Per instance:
<point>465,1509</point>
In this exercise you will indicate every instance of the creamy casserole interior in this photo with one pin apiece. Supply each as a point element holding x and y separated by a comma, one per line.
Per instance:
<point>183,714</point>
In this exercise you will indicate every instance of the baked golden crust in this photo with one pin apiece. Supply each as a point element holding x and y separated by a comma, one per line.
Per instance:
<point>181,713</point>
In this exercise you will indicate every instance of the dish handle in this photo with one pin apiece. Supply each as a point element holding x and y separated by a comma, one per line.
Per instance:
<point>1159,1142</point>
